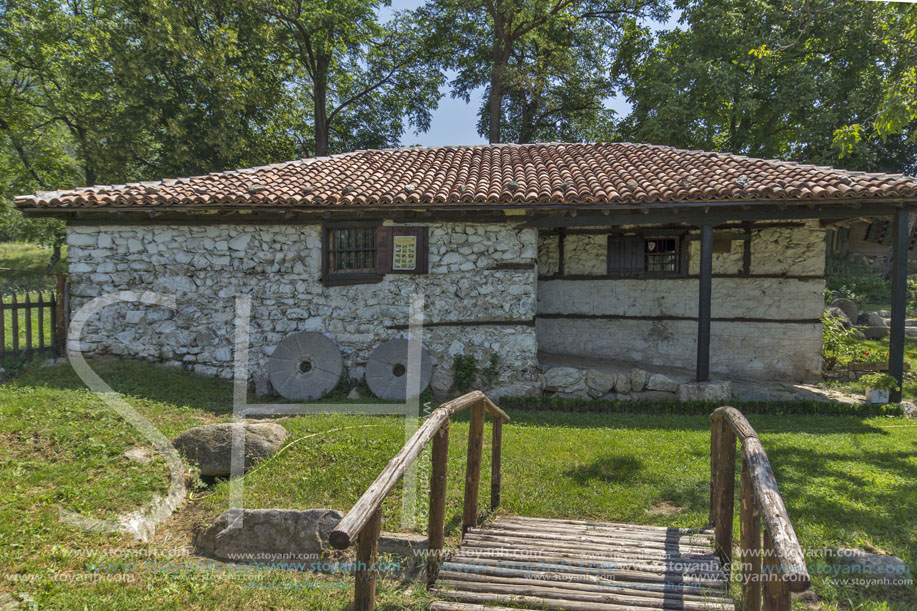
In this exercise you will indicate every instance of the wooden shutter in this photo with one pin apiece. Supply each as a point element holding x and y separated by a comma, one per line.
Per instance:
<point>625,255</point>
<point>385,240</point>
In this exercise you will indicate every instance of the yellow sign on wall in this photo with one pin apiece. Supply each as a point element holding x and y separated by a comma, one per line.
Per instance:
<point>404,253</point>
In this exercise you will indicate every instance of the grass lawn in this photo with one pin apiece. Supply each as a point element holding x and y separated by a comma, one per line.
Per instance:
<point>23,266</point>
<point>846,481</point>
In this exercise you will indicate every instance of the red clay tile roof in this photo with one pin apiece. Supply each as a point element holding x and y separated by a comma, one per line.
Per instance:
<point>534,174</point>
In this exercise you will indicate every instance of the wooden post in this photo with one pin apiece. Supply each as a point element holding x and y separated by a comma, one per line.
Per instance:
<point>715,427</point>
<point>41,322</point>
<point>365,575</point>
<point>473,467</point>
<point>61,315</point>
<point>899,300</point>
<point>776,592</point>
<point>703,305</point>
<point>2,327</point>
<point>725,491</point>
<point>749,542</point>
<point>496,451</point>
<point>15,329</point>
<point>28,323</point>
<point>436,526</point>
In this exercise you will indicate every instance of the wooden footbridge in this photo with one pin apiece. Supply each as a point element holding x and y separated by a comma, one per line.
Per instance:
<point>537,563</point>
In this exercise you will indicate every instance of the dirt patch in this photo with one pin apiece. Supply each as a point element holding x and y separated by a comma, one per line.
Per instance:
<point>665,508</point>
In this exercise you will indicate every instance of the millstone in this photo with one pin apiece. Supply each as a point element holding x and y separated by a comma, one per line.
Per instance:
<point>305,366</point>
<point>386,370</point>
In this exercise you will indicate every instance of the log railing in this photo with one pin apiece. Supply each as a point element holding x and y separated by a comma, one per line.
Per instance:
<point>363,522</point>
<point>784,566</point>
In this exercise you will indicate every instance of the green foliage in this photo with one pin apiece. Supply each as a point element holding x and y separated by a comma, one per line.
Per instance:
<point>840,345</point>
<point>700,408</point>
<point>546,68</point>
<point>770,79</point>
<point>465,372</point>
<point>469,376</point>
<point>880,381</point>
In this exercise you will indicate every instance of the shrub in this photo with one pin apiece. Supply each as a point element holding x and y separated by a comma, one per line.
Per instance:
<point>879,381</point>
<point>840,345</point>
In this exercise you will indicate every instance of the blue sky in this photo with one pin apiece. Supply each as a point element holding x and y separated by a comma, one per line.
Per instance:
<point>454,121</point>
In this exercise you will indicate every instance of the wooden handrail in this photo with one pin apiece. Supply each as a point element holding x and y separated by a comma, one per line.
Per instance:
<point>362,523</point>
<point>784,563</point>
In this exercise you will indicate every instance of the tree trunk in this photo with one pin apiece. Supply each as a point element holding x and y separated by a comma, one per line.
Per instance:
<point>495,101</point>
<point>320,88</point>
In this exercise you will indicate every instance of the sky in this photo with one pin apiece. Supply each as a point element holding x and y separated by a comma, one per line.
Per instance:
<point>454,121</point>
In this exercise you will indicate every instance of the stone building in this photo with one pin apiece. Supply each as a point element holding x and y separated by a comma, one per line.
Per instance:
<point>627,252</point>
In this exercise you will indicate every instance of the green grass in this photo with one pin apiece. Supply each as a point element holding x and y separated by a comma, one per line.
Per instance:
<point>23,267</point>
<point>846,481</point>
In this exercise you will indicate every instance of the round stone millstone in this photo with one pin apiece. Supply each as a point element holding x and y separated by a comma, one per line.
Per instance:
<point>305,366</point>
<point>387,367</point>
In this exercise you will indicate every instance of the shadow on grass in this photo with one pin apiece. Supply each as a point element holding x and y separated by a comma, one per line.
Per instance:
<point>615,469</point>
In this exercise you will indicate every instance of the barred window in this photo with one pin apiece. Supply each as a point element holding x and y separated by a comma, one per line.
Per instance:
<point>352,250</point>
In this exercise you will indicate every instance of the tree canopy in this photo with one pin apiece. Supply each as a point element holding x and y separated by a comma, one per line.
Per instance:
<point>109,91</point>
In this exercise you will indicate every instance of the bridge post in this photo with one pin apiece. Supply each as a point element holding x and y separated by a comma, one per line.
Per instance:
<point>725,491</point>
<point>436,526</point>
<point>473,466</point>
<point>749,542</point>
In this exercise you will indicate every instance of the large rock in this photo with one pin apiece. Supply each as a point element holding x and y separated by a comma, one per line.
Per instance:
<point>848,307</point>
<point>877,332</point>
<point>705,391</point>
<point>657,381</point>
<point>563,379</point>
<point>210,446</point>
<point>599,383</point>
<point>638,379</point>
<point>874,320</point>
<point>839,313</point>
<point>519,389</point>
<point>264,534</point>
<point>622,383</point>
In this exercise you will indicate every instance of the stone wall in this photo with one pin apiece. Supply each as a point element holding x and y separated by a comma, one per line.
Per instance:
<point>638,319</point>
<point>205,267</point>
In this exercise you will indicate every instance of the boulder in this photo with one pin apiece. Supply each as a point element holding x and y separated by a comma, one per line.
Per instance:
<point>657,381</point>
<point>142,454</point>
<point>909,409</point>
<point>847,306</point>
<point>839,313</point>
<point>877,332</point>
<point>599,383</point>
<point>622,383</point>
<point>874,320</point>
<point>563,379</point>
<point>519,389</point>
<point>638,379</point>
<point>441,382</point>
<point>354,394</point>
<point>210,446</point>
<point>705,391</point>
<point>264,534</point>
<point>910,331</point>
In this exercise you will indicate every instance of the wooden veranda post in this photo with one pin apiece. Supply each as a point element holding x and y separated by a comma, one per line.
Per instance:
<point>473,466</point>
<point>703,306</point>
<point>436,526</point>
<point>899,300</point>
<point>776,592</point>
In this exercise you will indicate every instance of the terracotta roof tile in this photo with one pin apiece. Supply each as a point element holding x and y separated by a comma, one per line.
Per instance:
<point>603,173</point>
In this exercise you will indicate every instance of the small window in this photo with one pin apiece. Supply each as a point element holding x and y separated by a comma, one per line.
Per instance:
<point>660,255</point>
<point>350,254</point>
<point>352,250</point>
<point>644,255</point>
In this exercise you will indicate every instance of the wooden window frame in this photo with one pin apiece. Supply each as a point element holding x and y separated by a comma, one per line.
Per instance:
<point>681,255</point>
<point>338,278</point>
<point>385,235</point>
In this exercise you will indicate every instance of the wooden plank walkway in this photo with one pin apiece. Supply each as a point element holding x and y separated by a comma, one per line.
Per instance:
<point>581,566</point>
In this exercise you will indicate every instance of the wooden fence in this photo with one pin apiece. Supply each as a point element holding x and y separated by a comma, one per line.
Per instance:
<point>34,323</point>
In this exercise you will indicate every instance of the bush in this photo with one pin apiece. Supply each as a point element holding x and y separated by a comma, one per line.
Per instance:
<point>700,408</point>
<point>879,381</point>
<point>840,344</point>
